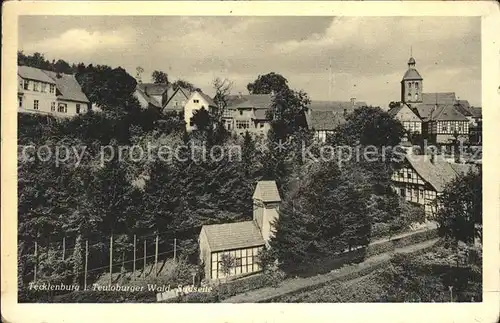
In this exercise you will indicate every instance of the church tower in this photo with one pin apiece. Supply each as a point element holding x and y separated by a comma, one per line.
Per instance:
<point>411,84</point>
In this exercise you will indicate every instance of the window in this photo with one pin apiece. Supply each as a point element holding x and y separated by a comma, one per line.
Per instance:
<point>409,85</point>
<point>52,106</point>
<point>196,101</point>
<point>77,108</point>
<point>176,103</point>
<point>35,104</point>
<point>44,87</point>
<point>242,124</point>
<point>416,85</point>
<point>26,84</point>
<point>52,88</point>
<point>36,86</point>
<point>20,101</point>
<point>402,192</point>
<point>408,175</point>
<point>62,108</point>
<point>409,94</point>
<point>241,112</point>
<point>262,125</point>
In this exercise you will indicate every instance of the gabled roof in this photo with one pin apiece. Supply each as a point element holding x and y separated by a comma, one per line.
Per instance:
<point>267,191</point>
<point>153,89</point>
<point>395,110</point>
<point>32,73</point>
<point>440,112</point>
<point>477,112</point>
<point>439,98</point>
<point>439,173</point>
<point>412,74</point>
<point>256,101</point>
<point>325,120</point>
<point>260,114</point>
<point>463,108</point>
<point>207,98</point>
<point>449,113</point>
<point>335,105</point>
<point>147,98</point>
<point>233,235</point>
<point>68,86</point>
<point>186,92</point>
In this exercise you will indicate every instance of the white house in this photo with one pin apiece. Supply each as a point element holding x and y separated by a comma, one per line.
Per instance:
<point>241,240</point>
<point>47,92</point>
<point>197,101</point>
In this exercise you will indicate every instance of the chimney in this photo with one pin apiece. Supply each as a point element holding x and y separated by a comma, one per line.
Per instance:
<point>266,202</point>
<point>353,101</point>
<point>240,95</point>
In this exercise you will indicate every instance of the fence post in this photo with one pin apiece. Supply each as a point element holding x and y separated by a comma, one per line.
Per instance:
<point>86,263</point>
<point>111,260</point>
<point>36,261</point>
<point>64,248</point>
<point>144,269</point>
<point>175,250</point>
<point>156,257</point>
<point>133,270</point>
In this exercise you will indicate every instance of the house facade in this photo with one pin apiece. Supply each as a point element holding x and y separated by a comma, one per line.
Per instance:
<point>442,116</point>
<point>152,95</point>
<point>422,178</point>
<point>51,93</point>
<point>177,100</point>
<point>408,118</point>
<point>242,241</point>
<point>248,113</point>
<point>197,101</point>
<point>323,117</point>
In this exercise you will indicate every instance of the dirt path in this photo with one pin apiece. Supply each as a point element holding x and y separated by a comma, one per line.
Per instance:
<point>298,284</point>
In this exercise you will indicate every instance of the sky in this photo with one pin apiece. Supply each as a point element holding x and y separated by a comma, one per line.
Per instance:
<point>368,55</point>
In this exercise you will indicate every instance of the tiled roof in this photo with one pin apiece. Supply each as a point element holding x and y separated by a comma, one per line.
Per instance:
<point>335,105</point>
<point>440,97</point>
<point>463,108</point>
<point>260,114</point>
<point>258,101</point>
<point>412,74</point>
<point>267,191</point>
<point>32,73</point>
<point>233,235</point>
<point>395,110</point>
<point>148,98</point>
<point>443,112</point>
<point>325,120</point>
<point>477,112</point>
<point>439,173</point>
<point>449,112</point>
<point>153,89</point>
<point>68,86</point>
<point>186,92</point>
<point>209,100</point>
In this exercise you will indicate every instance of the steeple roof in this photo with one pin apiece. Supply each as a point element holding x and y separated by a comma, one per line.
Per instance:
<point>412,74</point>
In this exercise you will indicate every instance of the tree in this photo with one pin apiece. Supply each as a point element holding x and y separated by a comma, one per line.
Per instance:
<point>222,92</point>
<point>459,215</point>
<point>394,104</point>
<point>227,264</point>
<point>326,214</point>
<point>202,120</point>
<point>268,83</point>
<point>185,85</point>
<point>368,126</point>
<point>159,77</point>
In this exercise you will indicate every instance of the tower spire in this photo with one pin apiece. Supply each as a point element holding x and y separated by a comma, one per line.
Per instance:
<point>411,51</point>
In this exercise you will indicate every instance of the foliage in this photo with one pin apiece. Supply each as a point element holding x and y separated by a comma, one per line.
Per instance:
<point>460,214</point>
<point>184,84</point>
<point>222,92</point>
<point>159,77</point>
<point>326,214</point>
<point>268,83</point>
<point>368,126</point>
<point>227,263</point>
